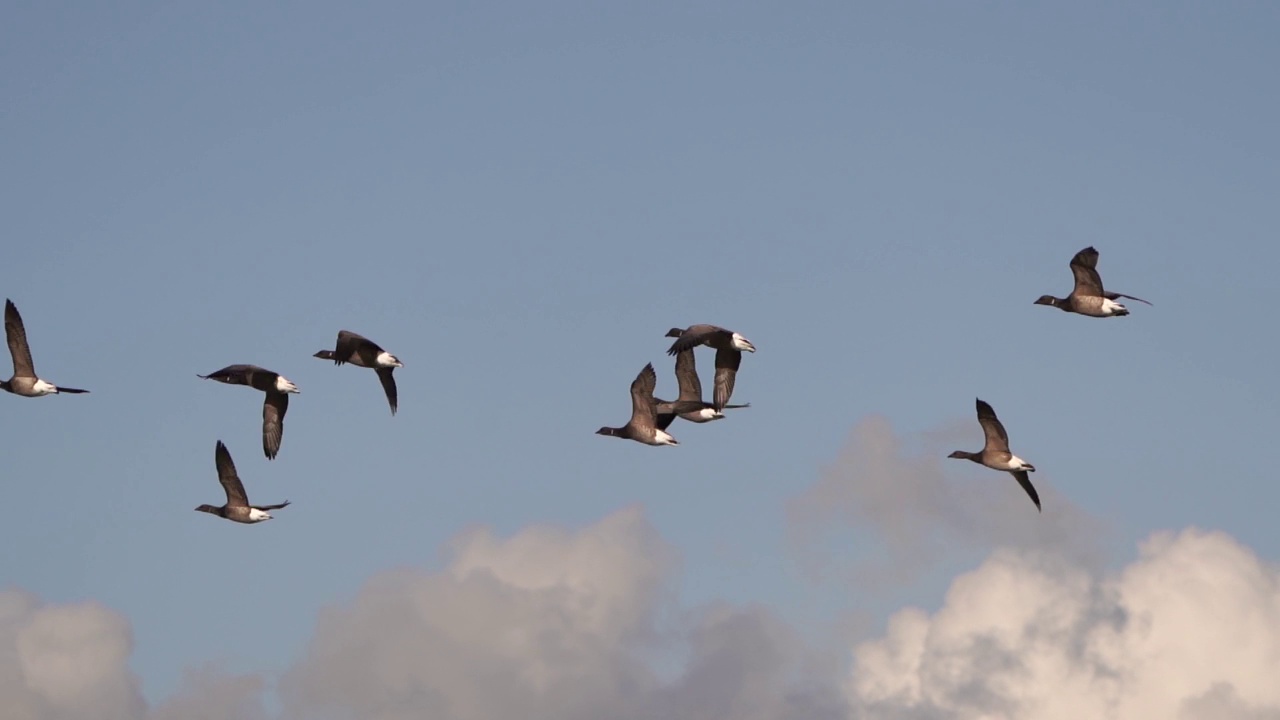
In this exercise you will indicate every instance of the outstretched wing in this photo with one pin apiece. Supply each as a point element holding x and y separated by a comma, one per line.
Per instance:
<point>687,376</point>
<point>228,477</point>
<point>273,410</point>
<point>727,362</point>
<point>388,385</point>
<point>1025,482</point>
<point>1084,266</point>
<point>16,333</point>
<point>694,336</point>
<point>642,405</point>
<point>1114,295</point>
<point>349,344</point>
<point>997,438</point>
<point>272,507</point>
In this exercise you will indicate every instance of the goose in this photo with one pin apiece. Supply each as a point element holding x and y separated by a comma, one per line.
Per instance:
<point>995,453</point>
<point>25,382</point>
<point>689,404</point>
<point>363,352</point>
<point>642,427</point>
<point>1088,297</point>
<point>276,386</point>
<point>237,508</point>
<point>729,347</point>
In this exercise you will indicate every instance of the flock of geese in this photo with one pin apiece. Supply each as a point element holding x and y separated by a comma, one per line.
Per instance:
<point>650,416</point>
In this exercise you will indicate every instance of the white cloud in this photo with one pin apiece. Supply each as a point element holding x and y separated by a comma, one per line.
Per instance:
<point>1189,630</point>
<point>65,662</point>
<point>919,506</point>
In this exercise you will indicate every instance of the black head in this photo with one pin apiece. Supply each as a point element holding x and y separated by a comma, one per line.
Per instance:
<point>607,431</point>
<point>675,332</point>
<point>4,385</point>
<point>1049,300</point>
<point>210,509</point>
<point>964,455</point>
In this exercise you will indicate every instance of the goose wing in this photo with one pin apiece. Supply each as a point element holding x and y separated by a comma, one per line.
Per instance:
<point>727,362</point>
<point>997,438</point>
<point>642,404</point>
<point>273,410</point>
<point>228,477</point>
<point>388,385</point>
<point>1025,482</point>
<point>1084,266</point>
<point>271,507</point>
<point>1114,295</point>
<point>687,376</point>
<point>16,333</point>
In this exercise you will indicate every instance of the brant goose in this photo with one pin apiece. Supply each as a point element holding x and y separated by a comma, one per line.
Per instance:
<point>995,453</point>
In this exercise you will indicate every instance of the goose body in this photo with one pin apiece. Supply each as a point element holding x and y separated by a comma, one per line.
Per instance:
<point>1088,297</point>
<point>363,352</point>
<point>995,452</point>
<point>237,507</point>
<point>729,347</point>
<point>643,425</point>
<point>25,382</point>
<point>277,388</point>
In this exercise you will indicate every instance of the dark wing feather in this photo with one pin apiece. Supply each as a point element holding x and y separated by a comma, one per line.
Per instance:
<point>687,376</point>
<point>228,477</point>
<point>388,385</point>
<point>997,438</point>
<point>1084,266</point>
<point>272,507</point>
<point>1025,482</point>
<point>727,362</point>
<point>1114,295</point>
<point>16,333</point>
<point>642,404</point>
<point>663,420</point>
<point>273,410</point>
<point>694,336</point>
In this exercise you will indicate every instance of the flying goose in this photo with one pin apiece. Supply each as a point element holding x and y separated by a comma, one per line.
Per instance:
<point>276,386</point>
<point>363,352</point>
<point>642,426</point>
<point>1088,297</point>
<point>995,453</point>
<point>24,382</point>
<point>689,405</point>
<point>237,508</point>
<point>728,345</point>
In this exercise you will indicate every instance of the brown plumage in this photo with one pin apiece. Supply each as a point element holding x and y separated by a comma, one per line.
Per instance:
<point>995,452</point>
<point>1088,297</point>
<point>237,507</point>
<point>363,352</point>
<point>277,388</point>
<point>25,382</point>
<point>729,347</point>
<point>642,427</point>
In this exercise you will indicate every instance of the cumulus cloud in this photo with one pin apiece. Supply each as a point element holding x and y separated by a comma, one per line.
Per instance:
<point>918,505</point>
<point>576,625</point>
<point>548,624</point>
<point>65,662</point>
<point>1189,630</point>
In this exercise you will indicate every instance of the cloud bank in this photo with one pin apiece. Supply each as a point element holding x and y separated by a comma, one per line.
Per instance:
<point>584,624</point>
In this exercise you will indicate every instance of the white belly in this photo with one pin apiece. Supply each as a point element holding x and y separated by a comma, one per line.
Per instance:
<point>43,388</point>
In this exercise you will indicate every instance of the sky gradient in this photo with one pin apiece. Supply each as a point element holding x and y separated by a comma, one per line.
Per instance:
<point>519,201</point>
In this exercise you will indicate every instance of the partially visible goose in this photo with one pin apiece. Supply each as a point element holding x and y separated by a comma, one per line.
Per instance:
<point>729,347</point>
<point>276,386</point>
<point>1088,297</point>
<point>689,405</point>
<point>237,508</point>
<point>995,453</point>
<point>363,352</point>
<point>642,427</point>
<point>24,382</point>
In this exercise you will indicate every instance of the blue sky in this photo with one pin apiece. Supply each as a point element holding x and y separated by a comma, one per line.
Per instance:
<point>518,200</point>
